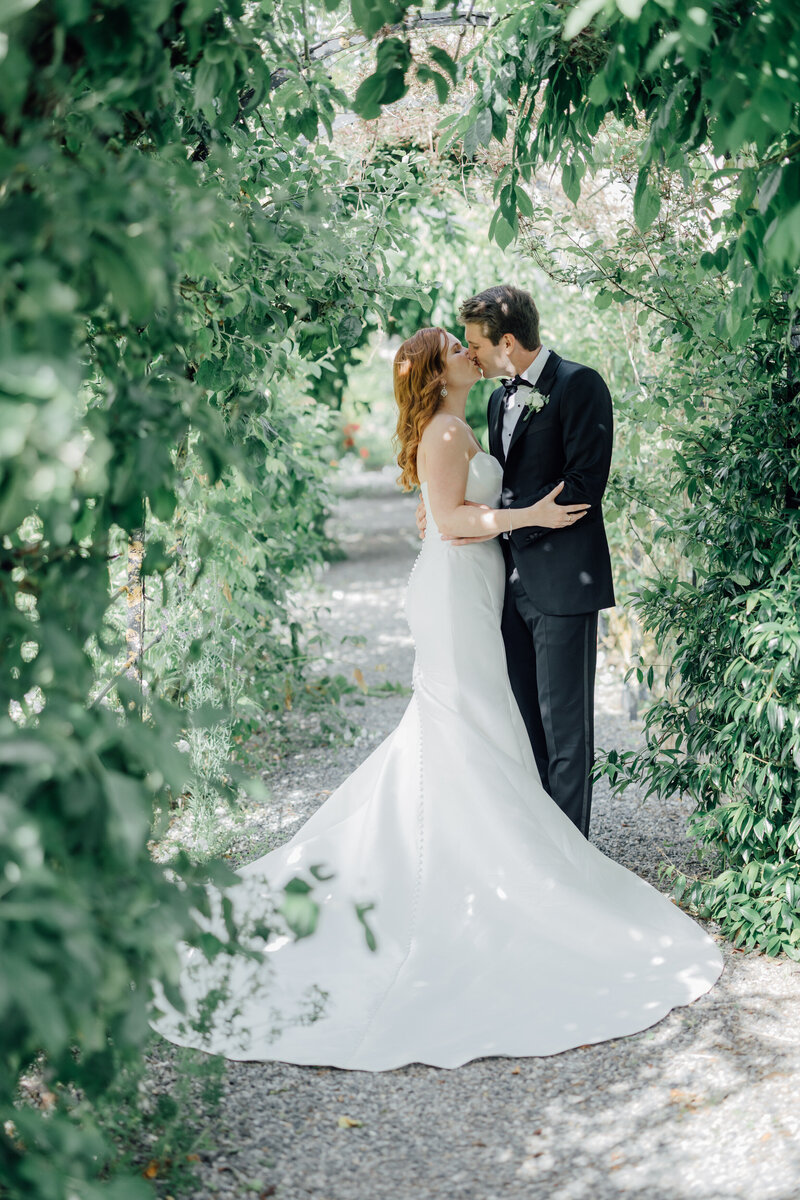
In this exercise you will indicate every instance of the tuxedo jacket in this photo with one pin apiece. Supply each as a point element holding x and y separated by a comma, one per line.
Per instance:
<point>564,571</point>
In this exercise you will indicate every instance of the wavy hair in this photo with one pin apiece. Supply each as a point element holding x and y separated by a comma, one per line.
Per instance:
<point>419,374</point>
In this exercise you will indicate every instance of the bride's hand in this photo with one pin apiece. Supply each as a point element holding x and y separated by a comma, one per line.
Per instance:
<point>556,516</point>
<point>422,517</point>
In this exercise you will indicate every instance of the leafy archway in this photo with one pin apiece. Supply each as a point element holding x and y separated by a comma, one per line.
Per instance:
<point>186,254</point>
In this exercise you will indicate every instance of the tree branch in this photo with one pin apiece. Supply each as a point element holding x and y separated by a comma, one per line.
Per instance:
<point>129,661</point>
<point>349,41</point>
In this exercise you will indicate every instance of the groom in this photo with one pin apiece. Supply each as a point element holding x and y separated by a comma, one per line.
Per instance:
<point>550,420</point>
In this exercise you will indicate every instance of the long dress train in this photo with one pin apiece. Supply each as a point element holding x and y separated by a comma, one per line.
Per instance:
<point>500,930</point>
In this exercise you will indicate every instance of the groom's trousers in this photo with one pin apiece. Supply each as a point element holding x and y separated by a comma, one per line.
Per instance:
<point>551,664</point>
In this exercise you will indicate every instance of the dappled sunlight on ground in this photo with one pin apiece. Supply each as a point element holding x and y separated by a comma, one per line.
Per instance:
<point>701,1106</point>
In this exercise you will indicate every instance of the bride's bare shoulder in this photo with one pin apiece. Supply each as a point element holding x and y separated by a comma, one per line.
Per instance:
<point>445,432</point>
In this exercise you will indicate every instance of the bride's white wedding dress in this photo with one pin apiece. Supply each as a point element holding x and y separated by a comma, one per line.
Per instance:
<point>500,930</point>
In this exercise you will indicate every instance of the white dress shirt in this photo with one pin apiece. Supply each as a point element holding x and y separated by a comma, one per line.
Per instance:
<point>519,400</point>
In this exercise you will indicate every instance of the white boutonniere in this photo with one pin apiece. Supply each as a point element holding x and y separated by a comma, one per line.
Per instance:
<point>535,402</point>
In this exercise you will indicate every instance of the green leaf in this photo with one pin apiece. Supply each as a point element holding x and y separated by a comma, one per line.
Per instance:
<point>632,9</point>
<point>371,15</point>
<point>598,90</point>
<point>300,912</point>
<point>580,16</point>
<point>524,202</point>
<point>129,805</point>
<point>205,87</point>
<point>426,75</point>
<point>12,8</point>
<point>571,181</point>
<point>349,331</point>
<point>369,97</point>
<point>443,60</point>
<point>163,501</point>
<point>395,86</point>
<point>297,887</point>
<point>646,203</point>
<point>469,142</point>
<point>483,127</point>
<point>504,232</point>
<point>361,913</point>
<point>198,11</point>
<point>769,188</point>
<point>308,123</point>
<point>388,83</point>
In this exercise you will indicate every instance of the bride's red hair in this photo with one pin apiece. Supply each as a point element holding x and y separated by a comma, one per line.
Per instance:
<point>419,375</point>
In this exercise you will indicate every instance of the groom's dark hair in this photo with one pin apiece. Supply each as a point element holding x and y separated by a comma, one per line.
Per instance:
<point>503,309</point>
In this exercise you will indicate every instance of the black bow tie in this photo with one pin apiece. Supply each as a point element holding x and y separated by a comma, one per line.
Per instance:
<point>510,387</point>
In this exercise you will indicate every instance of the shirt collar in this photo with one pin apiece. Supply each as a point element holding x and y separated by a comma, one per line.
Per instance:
<point>534,371</point>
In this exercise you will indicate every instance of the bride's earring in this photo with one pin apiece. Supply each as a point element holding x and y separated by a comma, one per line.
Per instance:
<point>443,392</point>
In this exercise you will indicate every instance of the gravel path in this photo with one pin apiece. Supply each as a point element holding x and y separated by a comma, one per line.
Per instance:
<point>702,1106</point>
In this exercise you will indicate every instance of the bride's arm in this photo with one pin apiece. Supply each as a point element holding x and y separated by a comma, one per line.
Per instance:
<point>445,450</point>
<point>421,518</point>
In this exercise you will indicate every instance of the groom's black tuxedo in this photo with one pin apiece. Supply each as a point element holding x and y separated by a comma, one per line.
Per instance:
<point>564,571</point>
<point>557,580</point>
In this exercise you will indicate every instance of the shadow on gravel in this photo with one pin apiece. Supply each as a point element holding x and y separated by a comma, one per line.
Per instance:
<point>701,1107</point>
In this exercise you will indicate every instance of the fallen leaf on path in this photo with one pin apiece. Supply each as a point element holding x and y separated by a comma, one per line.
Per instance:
<point>358,675</point>
<point>685,1099</point>
<point>349,1123</point>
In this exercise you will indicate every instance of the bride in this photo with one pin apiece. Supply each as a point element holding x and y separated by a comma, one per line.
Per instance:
<point>498,929</point>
